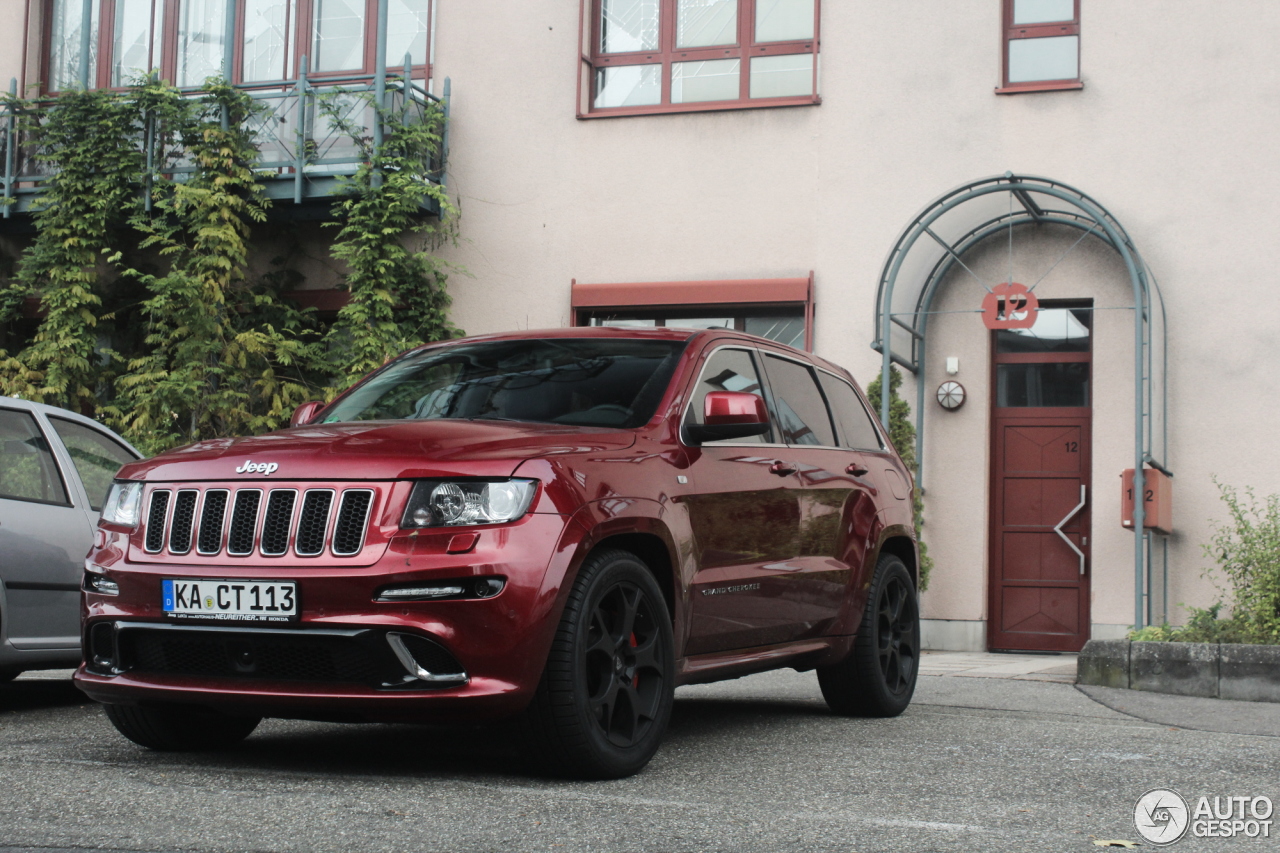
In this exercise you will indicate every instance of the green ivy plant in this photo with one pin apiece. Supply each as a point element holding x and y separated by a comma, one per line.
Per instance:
<point>151,319</point>
<point>88,145</point>
<point>398,297</point>
<point>903,435</point>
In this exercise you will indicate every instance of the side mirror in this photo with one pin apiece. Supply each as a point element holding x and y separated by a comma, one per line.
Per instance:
<point>730,414</point>
<point>304,413</point>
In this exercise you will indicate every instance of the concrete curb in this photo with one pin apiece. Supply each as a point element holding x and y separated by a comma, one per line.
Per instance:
<point>1212,670</point>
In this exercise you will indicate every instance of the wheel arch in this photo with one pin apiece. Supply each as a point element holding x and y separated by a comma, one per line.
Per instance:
<point>900,543</point>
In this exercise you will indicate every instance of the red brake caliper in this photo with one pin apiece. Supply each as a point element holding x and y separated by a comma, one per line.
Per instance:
<point>635,679</point>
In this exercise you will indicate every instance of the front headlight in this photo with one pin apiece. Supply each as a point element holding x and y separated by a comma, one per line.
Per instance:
<point>451,503</point>
<point>124,504</point>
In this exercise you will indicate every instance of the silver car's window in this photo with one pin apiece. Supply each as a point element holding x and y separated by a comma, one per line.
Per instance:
<point>802,414</point>
<point>859,432</point>
<point>97,458</point>
<point>27,469</point>
<point>727,370</point>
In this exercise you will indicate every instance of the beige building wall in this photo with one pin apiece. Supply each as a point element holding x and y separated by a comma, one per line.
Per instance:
<point>1174,132</point>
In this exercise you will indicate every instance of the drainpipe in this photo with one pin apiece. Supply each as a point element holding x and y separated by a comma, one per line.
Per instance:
<point>86,22</point>
<point>379,85</point>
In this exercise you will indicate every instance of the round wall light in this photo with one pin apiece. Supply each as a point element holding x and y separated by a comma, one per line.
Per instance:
<point>950,395</point>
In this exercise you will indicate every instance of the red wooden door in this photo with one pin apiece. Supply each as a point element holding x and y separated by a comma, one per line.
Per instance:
<point>1040,585</point>
<point>1041,489</point>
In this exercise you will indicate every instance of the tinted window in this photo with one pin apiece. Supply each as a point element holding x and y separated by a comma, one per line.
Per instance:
<point>1055,330</point>
<point>856,428</point>
<point>590,382</point>
<point>97,458</point>
<point>727,370</point>
<point>802,414</point>
<point>1053,384</point>
<point>27,469</point>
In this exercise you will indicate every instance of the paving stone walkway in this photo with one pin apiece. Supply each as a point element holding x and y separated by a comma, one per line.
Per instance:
<point>1021,667</point>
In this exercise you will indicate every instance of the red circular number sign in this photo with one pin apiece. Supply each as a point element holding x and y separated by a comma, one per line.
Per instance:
<point>1010,306</point>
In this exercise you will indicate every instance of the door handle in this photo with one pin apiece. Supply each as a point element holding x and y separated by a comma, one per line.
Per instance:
<point>857,469</point>
<point>781,468</point>
<point>1058,528</point>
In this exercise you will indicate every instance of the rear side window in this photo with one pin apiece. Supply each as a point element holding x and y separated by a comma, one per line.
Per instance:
<point>802,413</point>
<point>27,469</point>
<point>728,370</point>
<point>97,458</point>
<point>856,426</point>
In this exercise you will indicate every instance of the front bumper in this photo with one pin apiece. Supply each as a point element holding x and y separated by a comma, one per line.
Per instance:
<point>349,655</point>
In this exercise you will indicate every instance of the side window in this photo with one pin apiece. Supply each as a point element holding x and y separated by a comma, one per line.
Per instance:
<point>97,458</point>
<point>801,412</point>
<point>728,370</point>
<point>27,469</point>
<point>857,429</point>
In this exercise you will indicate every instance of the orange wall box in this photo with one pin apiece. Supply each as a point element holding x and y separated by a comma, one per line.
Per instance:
<point>1159,500</point>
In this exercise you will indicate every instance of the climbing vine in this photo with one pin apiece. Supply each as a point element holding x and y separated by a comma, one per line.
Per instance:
<point>151,317</point>
<point>398,297</point>
<point>903,435</point>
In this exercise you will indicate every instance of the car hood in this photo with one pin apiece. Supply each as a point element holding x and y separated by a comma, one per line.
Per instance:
<point>377,450</point>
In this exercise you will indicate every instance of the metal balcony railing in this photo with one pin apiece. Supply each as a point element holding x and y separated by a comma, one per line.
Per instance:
<point>303,150</point>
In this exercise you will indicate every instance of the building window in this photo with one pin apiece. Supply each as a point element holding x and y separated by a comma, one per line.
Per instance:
<point>779,309</point>
<point>1041,46</point>
<point>184,41</point>
<point>651,56</point>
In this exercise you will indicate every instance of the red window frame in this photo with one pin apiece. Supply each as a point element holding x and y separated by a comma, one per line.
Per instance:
<point>591,60</point>
<point>302,33</point>
<point>679,298</point>
<point>1010,32</point>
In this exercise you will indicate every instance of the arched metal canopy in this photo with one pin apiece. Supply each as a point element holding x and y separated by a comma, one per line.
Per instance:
<point>935,242</point>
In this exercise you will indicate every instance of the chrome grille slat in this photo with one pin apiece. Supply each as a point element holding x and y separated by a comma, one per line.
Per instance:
<point>244,522</point>
<point>212,516</point>
<point>313,522</point>
<point>277,521</point>
<point>272,522</point>
<point>182,524</point>
<point>353,520</point>
<point>156,517</point>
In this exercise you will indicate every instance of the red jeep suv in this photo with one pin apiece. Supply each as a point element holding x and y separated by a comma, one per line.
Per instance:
<point>558,527</point>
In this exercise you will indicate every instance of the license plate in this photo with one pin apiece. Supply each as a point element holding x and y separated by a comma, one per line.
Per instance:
<point>230,600</point>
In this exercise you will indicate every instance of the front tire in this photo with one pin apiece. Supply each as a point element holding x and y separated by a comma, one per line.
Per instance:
<point>605,697</point>
<point>180,728</point>
<point>878,677</point>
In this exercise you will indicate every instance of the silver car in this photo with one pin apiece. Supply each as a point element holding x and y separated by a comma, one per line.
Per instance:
<point>55,470</point>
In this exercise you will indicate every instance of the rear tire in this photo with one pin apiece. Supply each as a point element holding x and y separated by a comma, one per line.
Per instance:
<point>605,697</point>
<point>180,728</point>
<point>878,677</point>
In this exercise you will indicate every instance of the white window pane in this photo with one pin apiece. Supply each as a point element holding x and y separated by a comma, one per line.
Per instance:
<point>339,36</point>
<point>1054,58</point>
<point>706,22</point>
<point>627,25</point>
<point>136,40</point>
<point>64,45</point>
<point>407,31</point>
<point>1043,11</point>
<point>784,20</point>
<point>268,39</point>
<point>629,86</point>
<point>784,330</point>
<point>709,80</point>
<point>201,30</point>
<point>700,323</point>
<point>623,324</point>
<point>781,76</point>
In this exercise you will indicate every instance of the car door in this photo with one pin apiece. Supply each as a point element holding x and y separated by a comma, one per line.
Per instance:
<point>44,537</point>
<point>837,506</point>
<point>745,515</point>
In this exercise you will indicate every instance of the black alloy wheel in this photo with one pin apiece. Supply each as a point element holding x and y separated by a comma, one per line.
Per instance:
<point>878,678</point>
<point>605,697</point>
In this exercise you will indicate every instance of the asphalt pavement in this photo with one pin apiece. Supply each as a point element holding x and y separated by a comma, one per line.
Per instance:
<point>996,753</point>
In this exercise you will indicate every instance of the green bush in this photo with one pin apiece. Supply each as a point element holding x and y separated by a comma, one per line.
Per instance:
<point>903,435</point>
<point>1246,550</point>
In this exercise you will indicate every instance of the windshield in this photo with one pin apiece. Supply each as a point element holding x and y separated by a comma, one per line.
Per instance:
<point>590,382</point>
